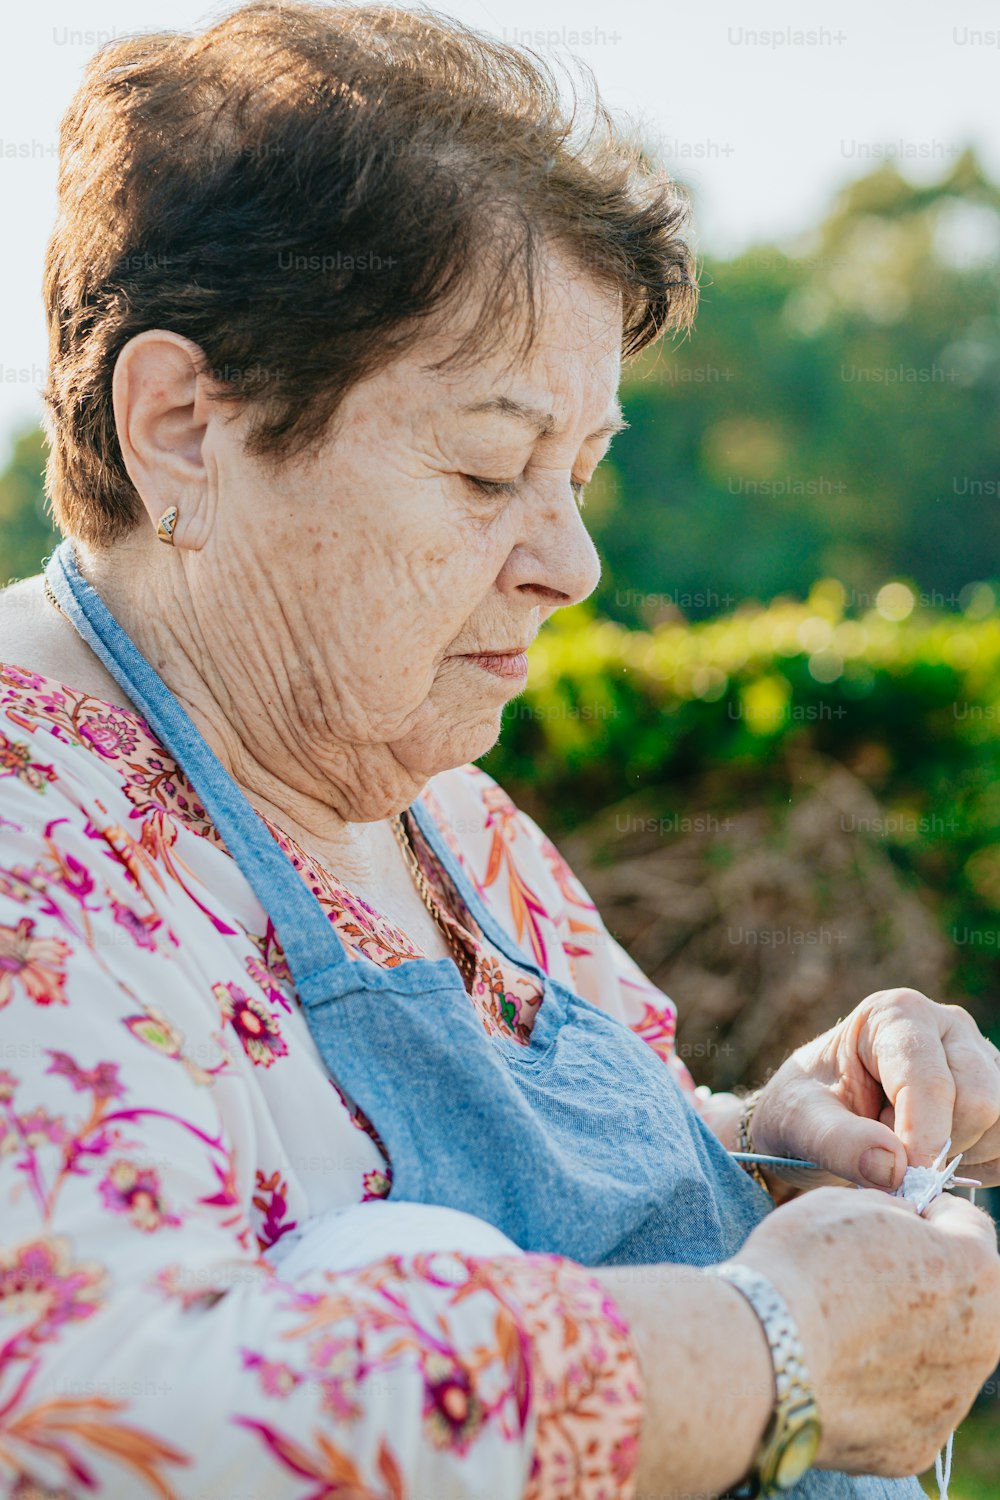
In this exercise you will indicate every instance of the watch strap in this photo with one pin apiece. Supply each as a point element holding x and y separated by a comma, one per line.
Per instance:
<point>791,1374</point>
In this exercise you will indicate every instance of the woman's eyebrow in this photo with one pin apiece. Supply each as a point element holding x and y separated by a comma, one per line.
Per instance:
<point>543,422</point>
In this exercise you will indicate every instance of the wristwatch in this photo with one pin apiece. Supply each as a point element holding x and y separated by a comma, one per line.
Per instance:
<point>792,1439</point>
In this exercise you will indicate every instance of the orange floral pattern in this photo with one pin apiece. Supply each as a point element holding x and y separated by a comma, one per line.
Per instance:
<point>37,963</point>
<point>165,1120</point>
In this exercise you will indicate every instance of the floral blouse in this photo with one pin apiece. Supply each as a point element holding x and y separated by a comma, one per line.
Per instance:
<point>165,1119</point>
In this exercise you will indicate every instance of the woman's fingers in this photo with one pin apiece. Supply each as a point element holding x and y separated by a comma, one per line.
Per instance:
<point>975,1067</point>
<point>863,1272</point>
<point>966,1221</point>
<point>940,1075</point>
<point>899,1041</point>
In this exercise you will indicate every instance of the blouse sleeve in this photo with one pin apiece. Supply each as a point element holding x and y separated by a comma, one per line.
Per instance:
<point>148,1347</point>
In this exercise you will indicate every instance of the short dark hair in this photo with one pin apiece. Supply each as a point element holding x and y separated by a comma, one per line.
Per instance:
<point>296,189</point>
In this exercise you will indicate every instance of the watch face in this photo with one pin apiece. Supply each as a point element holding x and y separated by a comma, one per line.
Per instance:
<point>797,1457</point>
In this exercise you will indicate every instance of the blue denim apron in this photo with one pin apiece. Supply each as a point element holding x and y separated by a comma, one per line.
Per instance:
<point>579,1143</point>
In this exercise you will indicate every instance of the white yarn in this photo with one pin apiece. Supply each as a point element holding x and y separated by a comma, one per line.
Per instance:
<point>942,1467</point>
<point>921,1185</point>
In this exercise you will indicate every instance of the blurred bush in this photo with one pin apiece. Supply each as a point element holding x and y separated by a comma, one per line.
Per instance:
<point>26,531</point>
<point>706,720</point>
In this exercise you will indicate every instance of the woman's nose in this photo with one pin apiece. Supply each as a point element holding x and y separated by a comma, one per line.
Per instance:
<point>555,554</point>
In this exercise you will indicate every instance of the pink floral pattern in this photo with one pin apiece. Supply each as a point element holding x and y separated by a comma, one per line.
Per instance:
<point>165,1121</point>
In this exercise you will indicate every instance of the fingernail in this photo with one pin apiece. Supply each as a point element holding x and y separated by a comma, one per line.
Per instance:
<point>878,1166</point>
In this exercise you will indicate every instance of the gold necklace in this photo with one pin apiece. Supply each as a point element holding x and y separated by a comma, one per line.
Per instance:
<point>464,958</point>
<point>50,596</point>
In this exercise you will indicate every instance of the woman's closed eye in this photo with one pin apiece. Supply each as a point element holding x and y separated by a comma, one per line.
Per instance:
<point>508,487</point>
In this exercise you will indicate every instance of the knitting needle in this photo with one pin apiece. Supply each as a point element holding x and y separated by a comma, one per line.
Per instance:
<point>811,1166</point>
<point>775,1161</point>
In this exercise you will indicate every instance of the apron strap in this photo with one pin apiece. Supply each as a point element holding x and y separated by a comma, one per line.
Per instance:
<point>316,958</point>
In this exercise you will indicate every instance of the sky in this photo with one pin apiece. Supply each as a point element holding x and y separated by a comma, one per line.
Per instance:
<point>764,110</point>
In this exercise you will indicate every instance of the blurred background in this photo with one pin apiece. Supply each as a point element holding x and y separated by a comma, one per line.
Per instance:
<point>768,742</point>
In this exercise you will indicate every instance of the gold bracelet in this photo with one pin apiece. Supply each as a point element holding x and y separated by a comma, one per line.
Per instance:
<point>745,1139</point>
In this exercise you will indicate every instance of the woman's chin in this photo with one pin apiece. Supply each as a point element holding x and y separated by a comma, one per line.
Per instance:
<point>447,746</point>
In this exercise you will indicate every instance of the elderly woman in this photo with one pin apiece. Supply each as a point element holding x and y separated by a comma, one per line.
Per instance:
<point>338,300</point>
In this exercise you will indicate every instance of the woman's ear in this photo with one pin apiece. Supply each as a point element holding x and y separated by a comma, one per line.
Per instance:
<point>163,412</point>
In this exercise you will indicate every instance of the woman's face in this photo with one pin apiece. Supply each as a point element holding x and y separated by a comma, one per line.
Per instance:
<point>359,589</point>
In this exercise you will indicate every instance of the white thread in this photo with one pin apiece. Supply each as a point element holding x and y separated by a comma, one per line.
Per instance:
<point>921,1185</point>
<point>942,1467</point>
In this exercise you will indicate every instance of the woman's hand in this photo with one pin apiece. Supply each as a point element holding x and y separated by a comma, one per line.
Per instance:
<point>884,1089</point>
<point>899,1316</point>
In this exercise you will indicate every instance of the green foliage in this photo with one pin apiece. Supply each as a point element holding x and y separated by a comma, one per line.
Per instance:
<point>834,412</point>
<point>908,698</point>
<point>26,532</point>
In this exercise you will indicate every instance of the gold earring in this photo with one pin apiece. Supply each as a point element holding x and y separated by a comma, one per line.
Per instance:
<point>168,521</point>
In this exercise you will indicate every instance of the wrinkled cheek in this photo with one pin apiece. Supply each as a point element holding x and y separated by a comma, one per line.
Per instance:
<point>397,697</point>
<point>452,578</point>
<point>393,637</point>
<point>381,660</point>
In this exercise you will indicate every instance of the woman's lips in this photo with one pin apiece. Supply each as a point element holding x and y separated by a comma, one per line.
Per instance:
<point>510,664</point>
